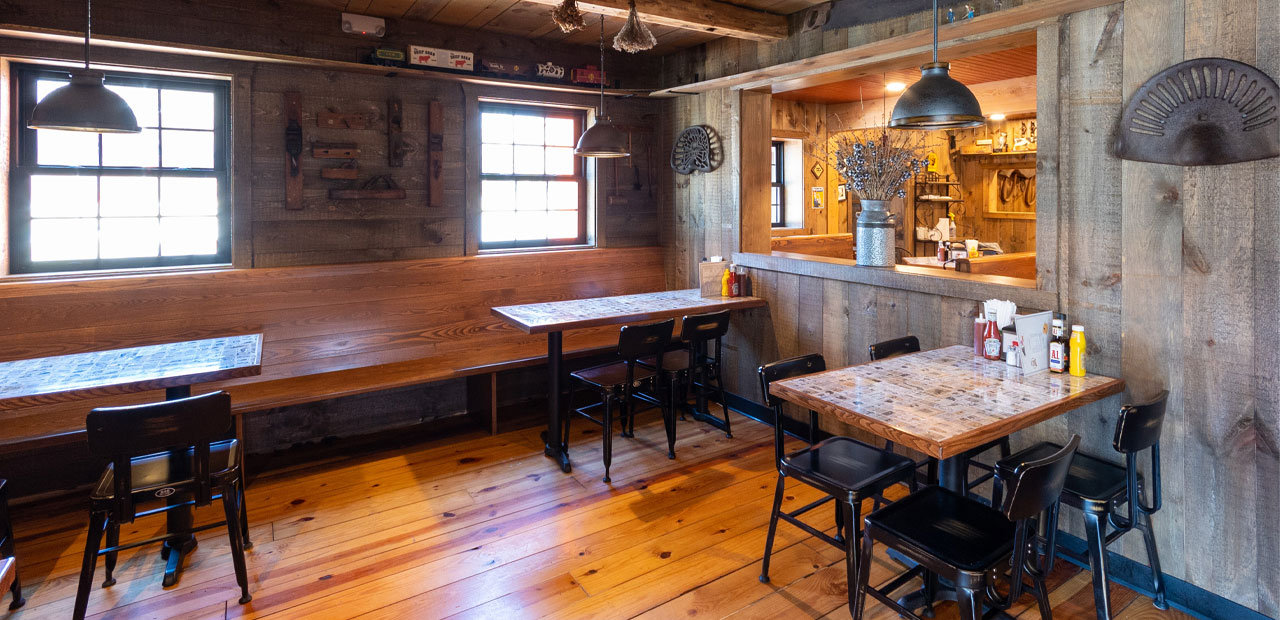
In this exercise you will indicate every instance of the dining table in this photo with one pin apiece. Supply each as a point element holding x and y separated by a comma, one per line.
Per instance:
<point>556,317</point>
<point>943,402</point>
<point>173,367</point>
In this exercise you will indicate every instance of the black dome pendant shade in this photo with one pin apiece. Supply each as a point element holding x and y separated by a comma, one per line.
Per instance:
<point>603,139</point>
<point>936,101</point>
<point>85,104</point>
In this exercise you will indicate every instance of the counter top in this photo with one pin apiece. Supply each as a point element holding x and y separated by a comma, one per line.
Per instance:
<point>978,287</point>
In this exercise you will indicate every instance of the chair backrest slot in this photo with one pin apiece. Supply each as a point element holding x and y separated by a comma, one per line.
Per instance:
<point>890,348</point>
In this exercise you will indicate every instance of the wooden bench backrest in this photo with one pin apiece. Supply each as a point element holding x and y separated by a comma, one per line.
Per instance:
<point>313,319</point>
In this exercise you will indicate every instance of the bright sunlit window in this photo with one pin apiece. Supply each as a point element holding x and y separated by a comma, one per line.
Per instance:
<point>532,188</point>
<point>85,201</point>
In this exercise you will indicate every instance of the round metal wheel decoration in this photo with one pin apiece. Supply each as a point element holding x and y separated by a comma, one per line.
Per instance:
<point>694,151</point>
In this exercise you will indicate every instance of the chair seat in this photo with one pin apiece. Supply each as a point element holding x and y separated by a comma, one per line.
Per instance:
<point>610,375</point>
<point>152,472</point>
<point>1090,479</point>
<point>672,361</point>
<point>844,464</point>
<point>948,526</point>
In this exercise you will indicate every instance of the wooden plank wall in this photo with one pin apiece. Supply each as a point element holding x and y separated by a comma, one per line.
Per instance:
<point>808,122</point>
<point>1172,270</point>
<point>326,231</point>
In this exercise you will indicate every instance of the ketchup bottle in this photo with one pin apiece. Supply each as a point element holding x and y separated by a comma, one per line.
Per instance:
<point>992,339</point>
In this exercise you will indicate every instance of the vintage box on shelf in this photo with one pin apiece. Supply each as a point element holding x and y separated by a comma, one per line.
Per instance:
<point>422,56</point>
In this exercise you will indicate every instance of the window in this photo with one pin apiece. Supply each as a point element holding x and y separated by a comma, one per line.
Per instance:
<point>84,201</point>
<point>778,199</point>
<point>532,187</point>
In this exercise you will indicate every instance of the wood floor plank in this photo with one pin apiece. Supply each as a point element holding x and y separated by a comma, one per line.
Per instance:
<point>486,527</point>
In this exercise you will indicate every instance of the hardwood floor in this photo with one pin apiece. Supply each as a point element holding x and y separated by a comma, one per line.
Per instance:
<point>475,526</point>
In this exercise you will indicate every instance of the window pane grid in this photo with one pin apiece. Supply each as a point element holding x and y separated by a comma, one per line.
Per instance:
<point>777,187</point>
<point>532,187</point>
<point>91,201</point>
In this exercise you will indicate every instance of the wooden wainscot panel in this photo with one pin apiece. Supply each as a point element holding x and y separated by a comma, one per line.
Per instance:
<point>839,245</point>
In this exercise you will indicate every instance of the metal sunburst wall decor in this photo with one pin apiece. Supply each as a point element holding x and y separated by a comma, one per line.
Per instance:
<point>1202,112</point>
<point>695,151</point>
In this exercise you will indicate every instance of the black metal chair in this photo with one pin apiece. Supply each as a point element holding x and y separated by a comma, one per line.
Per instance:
<point>1101,490</point>
<point>963,540</point>
<point>617,383</point>
<point>911,344</point>
<point>6,545</point>
<point>846,470</point>
<point>166,451</point>
<point>689,366</point>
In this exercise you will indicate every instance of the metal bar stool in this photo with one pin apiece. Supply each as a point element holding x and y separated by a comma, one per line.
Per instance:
<point>694,368</point>
<point>911,344</point>
<point>8,562</point>
<point>617,384</point>
<point>846,470</point>
<point>158,452</point>
<point>1101,490</point>
<point>961,539</point>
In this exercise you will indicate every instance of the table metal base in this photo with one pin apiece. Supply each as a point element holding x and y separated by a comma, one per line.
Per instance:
<point>179,519</point>
<point>553,440</point>
<point>951,475</point>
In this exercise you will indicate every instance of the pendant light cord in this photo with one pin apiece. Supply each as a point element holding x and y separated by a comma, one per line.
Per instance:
<point>602,64</point>
<point>936,19</point>
<point>88,23</point>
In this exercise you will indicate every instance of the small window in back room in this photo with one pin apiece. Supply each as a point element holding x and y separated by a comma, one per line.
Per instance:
<point>88,201</point>
<point>533,189</point>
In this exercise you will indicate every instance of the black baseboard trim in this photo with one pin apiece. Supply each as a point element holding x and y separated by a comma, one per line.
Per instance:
<point>1136,576</point>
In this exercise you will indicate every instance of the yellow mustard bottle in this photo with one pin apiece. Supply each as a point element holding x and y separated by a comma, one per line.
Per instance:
<point>1077,344</point>
<point>725,285</point>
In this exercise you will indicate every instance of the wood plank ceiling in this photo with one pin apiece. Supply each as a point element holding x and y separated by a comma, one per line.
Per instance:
<point>978,69</point>
<point>533,20</point>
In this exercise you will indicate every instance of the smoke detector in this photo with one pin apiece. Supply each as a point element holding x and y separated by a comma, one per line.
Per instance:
<point>364,25</point>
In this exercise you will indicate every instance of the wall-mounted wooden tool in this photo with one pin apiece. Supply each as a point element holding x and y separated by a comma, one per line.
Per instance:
<point>338,120</point>
<point>396,147</point>
<point>293,151</point>
<point>435,155</point>
<point>335,150</point>
<point>370,190</point>
<point>348,171</point>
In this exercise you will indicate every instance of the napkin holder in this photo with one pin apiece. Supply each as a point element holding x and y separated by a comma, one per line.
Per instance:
<point>710,274</point>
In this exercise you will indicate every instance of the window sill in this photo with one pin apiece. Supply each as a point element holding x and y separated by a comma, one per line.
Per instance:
<point>63,276</point>
<point>537,250</point>
<point>787,231</point>
<point>978,287</point>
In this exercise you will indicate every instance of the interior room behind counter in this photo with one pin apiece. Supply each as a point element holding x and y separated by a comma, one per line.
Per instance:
<point>978,184</point>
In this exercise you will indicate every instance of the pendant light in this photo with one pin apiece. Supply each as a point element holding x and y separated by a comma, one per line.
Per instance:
<point>603,139</point>
<point>85,104</point>
<point>937,101</point>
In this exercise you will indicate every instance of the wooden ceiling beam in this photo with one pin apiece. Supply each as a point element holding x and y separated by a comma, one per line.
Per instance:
<point>982,34</point>
<point>711,16</point>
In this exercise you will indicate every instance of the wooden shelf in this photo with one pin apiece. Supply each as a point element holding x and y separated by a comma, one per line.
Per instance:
<point>938,199</point>
<point>77,38</point>
<point>1002,154</point>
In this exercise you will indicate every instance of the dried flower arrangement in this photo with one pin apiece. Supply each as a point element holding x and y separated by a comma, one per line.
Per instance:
<point>634,36</point>
<point>568,17</point>
<point>878,163</point>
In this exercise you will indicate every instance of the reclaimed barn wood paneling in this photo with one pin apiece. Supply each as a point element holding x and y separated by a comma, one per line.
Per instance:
<point>1172,270</point>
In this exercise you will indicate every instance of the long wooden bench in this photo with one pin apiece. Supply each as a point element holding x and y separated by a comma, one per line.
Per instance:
<point>328,331</point>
